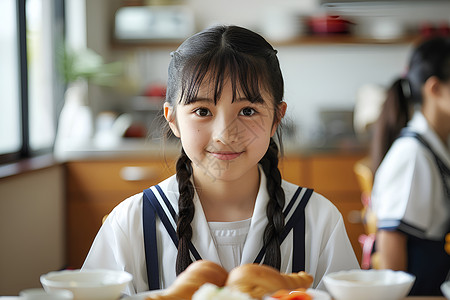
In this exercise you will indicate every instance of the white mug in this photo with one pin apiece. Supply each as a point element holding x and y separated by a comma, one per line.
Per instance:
<point>41,294</point>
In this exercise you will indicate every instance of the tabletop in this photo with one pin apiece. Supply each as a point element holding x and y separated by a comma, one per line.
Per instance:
<point>425,298</point>
<point>407,298</point>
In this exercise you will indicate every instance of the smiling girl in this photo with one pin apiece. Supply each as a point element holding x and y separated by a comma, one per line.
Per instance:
<point>227,202</point>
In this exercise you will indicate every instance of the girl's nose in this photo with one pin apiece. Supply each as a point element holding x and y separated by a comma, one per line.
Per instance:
<point>226,130</point>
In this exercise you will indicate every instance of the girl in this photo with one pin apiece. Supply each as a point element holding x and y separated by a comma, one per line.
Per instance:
<point>411,189</point>
<point>227,202</point>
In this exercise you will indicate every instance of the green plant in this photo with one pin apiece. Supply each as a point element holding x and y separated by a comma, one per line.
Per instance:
<point>89,65</point>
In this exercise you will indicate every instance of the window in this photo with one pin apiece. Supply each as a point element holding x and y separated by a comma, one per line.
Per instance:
<point>10,136</point>
<point>30,87</point>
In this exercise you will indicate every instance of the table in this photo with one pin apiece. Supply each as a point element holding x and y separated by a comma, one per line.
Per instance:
<point>425,298</point>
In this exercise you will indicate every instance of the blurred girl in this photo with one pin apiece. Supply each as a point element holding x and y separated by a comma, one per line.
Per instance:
<point>227,202</point>
<point>411,189</point>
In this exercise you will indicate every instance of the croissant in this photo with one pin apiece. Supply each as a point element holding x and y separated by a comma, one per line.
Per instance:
<point>253,279</point>
<point>260,280</point>
<point>191,279</point>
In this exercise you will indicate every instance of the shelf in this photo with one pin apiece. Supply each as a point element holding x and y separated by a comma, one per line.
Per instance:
<point>310,40</point>
<point>344,39</point>
<point>153,44</point>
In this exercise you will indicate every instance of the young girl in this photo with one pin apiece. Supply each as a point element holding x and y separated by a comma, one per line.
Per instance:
<point>411,190</point>
<point>227,202</point>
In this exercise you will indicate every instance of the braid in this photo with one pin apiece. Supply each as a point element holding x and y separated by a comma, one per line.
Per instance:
<point>275,206</point>
<point>185,211</point>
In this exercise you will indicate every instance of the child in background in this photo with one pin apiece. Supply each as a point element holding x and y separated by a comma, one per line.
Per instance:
<point>227,202</point>
<point>410,196</point>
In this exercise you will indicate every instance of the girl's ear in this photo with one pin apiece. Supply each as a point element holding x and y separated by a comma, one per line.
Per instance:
<point>280,115</point>
<point>169,114</point>
<point>432,87</point>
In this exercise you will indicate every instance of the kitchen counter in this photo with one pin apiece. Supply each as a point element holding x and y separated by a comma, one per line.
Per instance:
<point>143,148</point>
<point>124,148</point>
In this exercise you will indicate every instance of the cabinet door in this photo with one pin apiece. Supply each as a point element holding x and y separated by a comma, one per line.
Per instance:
<point>294,170</point>
<point>333,177</point>
<point>94,188</point>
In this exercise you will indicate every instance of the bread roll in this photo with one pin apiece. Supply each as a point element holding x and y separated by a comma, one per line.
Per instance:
<point>191,279</point>
<point>260,280</point>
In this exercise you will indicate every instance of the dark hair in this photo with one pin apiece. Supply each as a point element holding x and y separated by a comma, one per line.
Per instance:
<point>430,58</point>
<point>250,62</point>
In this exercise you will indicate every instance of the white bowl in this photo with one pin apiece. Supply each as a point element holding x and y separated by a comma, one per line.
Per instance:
<point>445,288</point>
<point>88,284</point>
<point>369,284</point>
<point>41,294</point>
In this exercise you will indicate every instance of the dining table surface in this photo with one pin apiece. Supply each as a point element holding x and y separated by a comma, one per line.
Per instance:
<point>425,298</point>
<point>2,297</point>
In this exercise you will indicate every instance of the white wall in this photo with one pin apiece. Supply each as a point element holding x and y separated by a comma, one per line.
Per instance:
<point>328,77</point>
<point>32,228</point>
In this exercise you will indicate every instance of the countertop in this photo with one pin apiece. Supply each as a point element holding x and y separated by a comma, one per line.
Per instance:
<point>155,149</point>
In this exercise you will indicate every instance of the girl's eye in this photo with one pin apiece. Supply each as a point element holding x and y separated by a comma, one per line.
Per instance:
<point>247,111</point>
<point>202,112</point>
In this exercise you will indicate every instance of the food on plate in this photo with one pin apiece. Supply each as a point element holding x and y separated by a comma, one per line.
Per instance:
<point>253,280</point>
<point>260,280</point>
<point>209,291</point>
<point>298,294</point>
<point>191,279</point>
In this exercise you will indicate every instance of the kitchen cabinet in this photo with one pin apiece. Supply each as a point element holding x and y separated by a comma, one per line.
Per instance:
<point>332,175</point>
<point>95,187</point>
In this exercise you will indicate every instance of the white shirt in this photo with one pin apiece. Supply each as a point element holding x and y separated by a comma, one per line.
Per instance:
<point>229,238</point>
<point>408,187</point>
<point>119,243</point>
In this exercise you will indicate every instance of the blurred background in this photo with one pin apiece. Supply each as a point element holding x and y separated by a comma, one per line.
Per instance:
<point>82,82</point>
<point>330,52</point>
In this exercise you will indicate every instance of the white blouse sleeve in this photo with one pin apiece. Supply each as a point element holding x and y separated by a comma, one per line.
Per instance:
<point>404,189</point>
<point>337,255</point>
<point>116,248</point>
<point>330,249</point>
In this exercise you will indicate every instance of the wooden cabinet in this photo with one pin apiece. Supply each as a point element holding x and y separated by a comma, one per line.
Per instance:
<point>94,188</point>
<point>331,175</point>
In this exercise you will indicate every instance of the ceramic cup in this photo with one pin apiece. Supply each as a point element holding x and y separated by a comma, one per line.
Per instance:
<point>41,294</point>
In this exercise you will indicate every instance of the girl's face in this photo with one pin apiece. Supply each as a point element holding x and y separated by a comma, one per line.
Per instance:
<point>227,140</point>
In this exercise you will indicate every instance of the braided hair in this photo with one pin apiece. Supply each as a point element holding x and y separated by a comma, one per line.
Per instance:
<point>250,63</point>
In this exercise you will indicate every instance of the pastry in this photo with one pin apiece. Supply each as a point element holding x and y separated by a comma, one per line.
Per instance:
<point>260,280</point>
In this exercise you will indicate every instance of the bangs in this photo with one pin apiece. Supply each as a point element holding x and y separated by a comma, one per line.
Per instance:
<point>246,75</point>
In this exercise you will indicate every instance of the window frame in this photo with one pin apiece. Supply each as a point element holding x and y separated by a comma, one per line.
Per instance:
<point>25,151</point>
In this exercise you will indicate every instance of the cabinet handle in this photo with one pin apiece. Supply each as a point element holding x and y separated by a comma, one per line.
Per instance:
<point>138,173</point>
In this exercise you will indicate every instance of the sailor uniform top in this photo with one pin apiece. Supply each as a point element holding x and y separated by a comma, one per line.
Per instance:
<point>411,195</point>
<point>229,239</point>
<point>134,241</point>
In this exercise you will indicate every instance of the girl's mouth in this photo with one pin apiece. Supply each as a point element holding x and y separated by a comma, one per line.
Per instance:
<point>226,155</point>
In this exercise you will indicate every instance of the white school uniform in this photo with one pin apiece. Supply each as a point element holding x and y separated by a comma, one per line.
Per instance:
<point>408,191</point>
<point>119,244</point>
<point>410,195</point>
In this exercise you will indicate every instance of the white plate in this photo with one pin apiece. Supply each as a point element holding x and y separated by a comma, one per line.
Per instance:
<point>445,288</point>
<point>316,294</point>
<point>319,295</point>
<point>141,296</point>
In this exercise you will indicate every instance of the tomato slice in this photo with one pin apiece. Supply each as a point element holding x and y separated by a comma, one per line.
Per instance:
<point>299,294</point>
